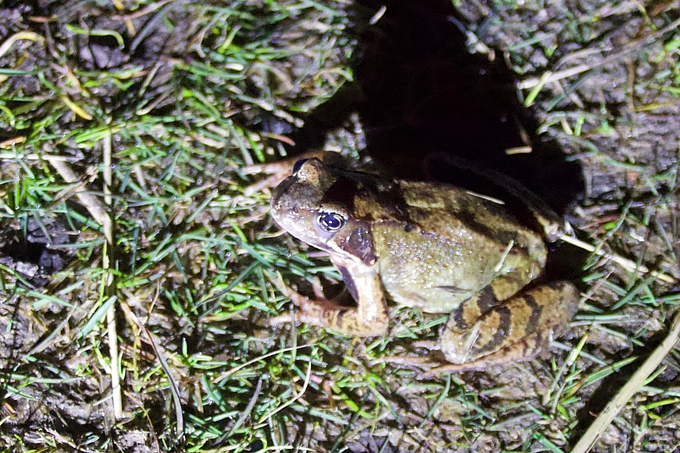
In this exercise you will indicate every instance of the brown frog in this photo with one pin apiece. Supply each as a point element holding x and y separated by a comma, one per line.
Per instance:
<point>431,246</point>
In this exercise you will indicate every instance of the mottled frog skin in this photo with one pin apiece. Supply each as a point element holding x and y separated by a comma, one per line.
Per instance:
<point>431,246</point>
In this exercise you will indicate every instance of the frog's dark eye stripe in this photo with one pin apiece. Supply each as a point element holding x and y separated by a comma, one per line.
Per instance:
<point>298,165</point>
<point>330,221</point>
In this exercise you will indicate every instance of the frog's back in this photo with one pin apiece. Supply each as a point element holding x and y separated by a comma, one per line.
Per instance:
<point>448,246</point>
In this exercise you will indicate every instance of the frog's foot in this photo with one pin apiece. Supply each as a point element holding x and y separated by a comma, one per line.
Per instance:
<point>506,357</point>
<point>310,309</point>
<point>294,295</point>
<point>322,312</point>
<point>432,366</point>
<point>433,358</point>
<point>408,361</point>
<point>277,171</point>
<point>282,169</point>
<point>435,363</point>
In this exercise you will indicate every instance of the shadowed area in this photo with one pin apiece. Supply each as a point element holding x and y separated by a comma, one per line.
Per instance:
<point>427,104</point>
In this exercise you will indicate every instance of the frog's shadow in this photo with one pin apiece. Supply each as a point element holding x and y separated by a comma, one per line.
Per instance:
<point>422,98</point>
<point>426,104</point>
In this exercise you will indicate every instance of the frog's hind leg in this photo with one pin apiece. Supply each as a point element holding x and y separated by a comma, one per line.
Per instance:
<point>485,332</point>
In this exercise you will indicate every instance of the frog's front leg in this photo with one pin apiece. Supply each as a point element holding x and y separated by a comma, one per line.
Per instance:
<point>368,318</point>
<point>516,329</point>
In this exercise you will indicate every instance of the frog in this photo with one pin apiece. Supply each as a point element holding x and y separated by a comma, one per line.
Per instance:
<point>430,246</point>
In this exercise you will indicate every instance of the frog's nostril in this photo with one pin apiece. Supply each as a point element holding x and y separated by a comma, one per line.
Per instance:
<point>281,190</point>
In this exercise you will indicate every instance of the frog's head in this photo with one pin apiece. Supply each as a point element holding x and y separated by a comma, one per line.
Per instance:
<point>315,205</point>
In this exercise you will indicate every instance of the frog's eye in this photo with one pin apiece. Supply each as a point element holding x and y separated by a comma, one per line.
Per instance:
<point>330,221</point>
<point>298,165</point>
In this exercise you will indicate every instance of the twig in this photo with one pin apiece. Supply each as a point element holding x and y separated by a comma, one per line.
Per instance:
<point>99,213</point>
<point>638,379</point>
<point>106,264</point>
<point>621,261</point>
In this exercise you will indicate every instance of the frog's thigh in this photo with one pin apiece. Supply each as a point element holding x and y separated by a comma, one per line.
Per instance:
<point>368,318</point>
<point>520,270</point>
<point>515,329</point>
<point>506,286</point>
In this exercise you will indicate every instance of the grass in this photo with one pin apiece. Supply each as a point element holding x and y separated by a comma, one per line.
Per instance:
<point>190,251</point>
<point>175,296</point>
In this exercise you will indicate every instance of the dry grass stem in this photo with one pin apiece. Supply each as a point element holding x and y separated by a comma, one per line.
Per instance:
<point>628,265</point>
<point>623,396</point>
